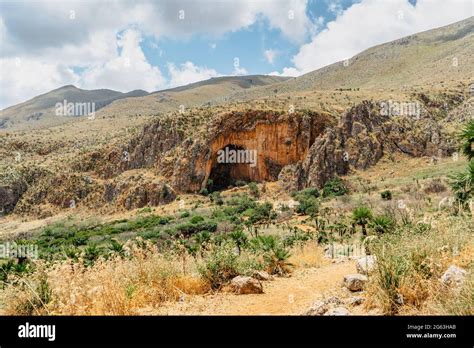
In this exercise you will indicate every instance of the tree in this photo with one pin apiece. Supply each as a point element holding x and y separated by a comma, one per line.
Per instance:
<point>361,216</point>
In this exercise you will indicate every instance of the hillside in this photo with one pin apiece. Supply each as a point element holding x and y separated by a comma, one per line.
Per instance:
<point>218,89</point>
<point>39,112</point>
<point>437,58</point>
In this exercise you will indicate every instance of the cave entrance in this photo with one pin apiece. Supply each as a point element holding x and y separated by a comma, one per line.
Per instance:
<point>231,164</point>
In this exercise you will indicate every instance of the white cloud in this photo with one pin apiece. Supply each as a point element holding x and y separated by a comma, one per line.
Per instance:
<point>188,73</point>
<point>239,71</point>
<point>352,31</point>
<point>270,55</point>
<point>22,79</point>
<point>292,72</point>
<point>127,71</point>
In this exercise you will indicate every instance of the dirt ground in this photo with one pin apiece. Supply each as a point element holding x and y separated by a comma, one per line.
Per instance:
<point>282,296</point>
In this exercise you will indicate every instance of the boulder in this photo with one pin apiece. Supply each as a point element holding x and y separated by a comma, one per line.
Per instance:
<point>246,285</point>
<point>453,276</point>
<point>365,265</point>
<point>355,282</point>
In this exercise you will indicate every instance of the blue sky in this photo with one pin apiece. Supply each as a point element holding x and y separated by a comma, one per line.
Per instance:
<point>153,45</point>
<point>248,44</point>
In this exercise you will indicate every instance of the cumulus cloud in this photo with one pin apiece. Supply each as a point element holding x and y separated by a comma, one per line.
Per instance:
<point>291,72</point>
<point>352,32</point>
<point>188,73</point>
<point>22,79</point>
<point>127,71</point>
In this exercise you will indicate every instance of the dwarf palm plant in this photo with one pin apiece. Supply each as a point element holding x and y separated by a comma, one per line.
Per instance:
<point>362,216</point>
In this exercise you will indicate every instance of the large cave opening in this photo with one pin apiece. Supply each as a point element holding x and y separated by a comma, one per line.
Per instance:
<point>230,165</point>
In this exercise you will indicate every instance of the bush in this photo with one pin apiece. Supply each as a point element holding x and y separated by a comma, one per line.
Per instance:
<point>196,219</point>
<point>276,261</point>
<point>253,189</point>
<point>261,214</point>
<point>362,216</point>
<point>386,195</point>
<point>334,187</point>
<point>382,224</point>
<point>220,266</point>
<point>308,206</point>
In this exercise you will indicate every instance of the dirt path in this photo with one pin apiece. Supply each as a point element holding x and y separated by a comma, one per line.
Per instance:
<point>283,296</point>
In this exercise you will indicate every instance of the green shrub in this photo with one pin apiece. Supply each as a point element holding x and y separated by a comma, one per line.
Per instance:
<point>253,189</point>
<point>307,205</point>
<point>220,266</point>
<point>334,187</point>
<point>382,224</point>
<point>386,195</point>
<point>362,216</point>
<point>196,219</point>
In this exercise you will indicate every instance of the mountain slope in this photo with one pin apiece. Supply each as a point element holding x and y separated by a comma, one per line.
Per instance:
<point>40,111</point>
<point>196,94</point>
<point>439,56</point>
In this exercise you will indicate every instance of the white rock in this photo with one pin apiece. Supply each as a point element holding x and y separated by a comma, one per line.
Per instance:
<point>453,276</point>
<point>365,265</point>
<point>355,282</point>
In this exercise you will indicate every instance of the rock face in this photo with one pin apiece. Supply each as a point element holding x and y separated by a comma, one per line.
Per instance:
<point>360,140</point>
<point>274,139</point>
<point>355,282</point>
<point>454,276</point>
<point>365,265</point>
<point>246,285</point>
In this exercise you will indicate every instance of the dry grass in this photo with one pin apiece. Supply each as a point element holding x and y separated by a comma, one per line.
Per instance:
<point>409,267</point>
<point>307,255</point>
<point>117,286</point>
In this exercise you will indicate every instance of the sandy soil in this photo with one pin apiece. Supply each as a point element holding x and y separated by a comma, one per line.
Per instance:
<point>282,296</point>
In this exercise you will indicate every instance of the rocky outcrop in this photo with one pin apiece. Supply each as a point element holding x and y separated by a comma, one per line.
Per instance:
<point>360,140</point>
<point>137,191</point>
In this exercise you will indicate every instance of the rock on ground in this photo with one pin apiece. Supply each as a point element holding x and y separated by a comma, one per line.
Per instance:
<point>453,276</point>
<point>246,285</point>
<point>355,282</point>
<point>323,306</point>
